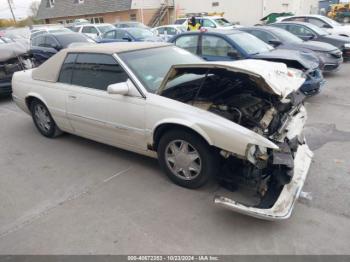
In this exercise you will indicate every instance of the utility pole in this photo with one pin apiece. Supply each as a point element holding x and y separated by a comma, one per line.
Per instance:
<point>13,15</point>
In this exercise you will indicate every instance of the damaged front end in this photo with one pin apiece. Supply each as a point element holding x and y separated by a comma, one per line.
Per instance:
<point>275,175</point>
<point>13,58</point>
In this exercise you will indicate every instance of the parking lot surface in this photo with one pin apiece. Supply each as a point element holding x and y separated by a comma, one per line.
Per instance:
<point>73,196</point>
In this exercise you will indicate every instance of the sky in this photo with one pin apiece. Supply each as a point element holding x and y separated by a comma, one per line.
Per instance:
<point>20,8</point>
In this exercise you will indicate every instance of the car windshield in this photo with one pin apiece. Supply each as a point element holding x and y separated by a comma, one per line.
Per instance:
<point>68,39</point>
<point>152,65</point>
<point>222,22</point>
<point>286,36</point>
<point>318,30</point>
<point>140,33</point>
<point>105,28</point>
<point>250,44</point>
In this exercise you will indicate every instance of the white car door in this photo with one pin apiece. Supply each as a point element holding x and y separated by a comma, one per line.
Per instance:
<point>94,113</point>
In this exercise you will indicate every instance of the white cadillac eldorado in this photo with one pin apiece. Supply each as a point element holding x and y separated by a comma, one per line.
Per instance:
<point>238,121</point>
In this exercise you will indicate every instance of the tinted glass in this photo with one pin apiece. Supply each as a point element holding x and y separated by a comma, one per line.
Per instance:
<point>140,33</point>
<point>317,22</point>
<point>151,65</point>
<point>262,35</point>
<point>285,36</point>
<point>250,44</point>
<point>223,22</point>
<point>109,35</point>
<point>89,30</point>
<point>171,31</point>
<point>68,39</point>
<point>67,69</point>
<point>208,23</point>
<point>105,28</point>
<point>38,41</point>
<point>215,46</point>
<point>97,71</point>
<point>188,42</point>
<point>120,34</point>
<point>50,41</point>
<point>300,30</point>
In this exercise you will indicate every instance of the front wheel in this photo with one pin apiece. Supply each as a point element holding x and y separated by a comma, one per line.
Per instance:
<point>43,120</point>
<point>186,158</point>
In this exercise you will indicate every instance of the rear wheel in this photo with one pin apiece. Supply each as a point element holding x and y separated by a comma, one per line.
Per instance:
<point>186,158</point>
<point>43,119</point>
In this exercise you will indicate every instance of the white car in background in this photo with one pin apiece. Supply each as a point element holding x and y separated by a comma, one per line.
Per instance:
<point>94,31</point>
<point>241,122</point>
<point>168,31</point>
<point>330,25</point>
<point>208,22</point>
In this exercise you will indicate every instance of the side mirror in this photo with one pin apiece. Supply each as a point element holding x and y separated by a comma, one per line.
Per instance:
<point>118,89</point>
<point>233,54</point>
<point>275,42</point>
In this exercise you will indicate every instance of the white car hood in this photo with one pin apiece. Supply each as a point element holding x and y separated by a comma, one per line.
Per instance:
<point>275,78</point>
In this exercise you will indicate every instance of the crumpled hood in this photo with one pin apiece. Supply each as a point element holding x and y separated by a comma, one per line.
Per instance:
<point>317,46</point>
<point>274,78</point>
<point>11,50</point>
<point>306,60</point>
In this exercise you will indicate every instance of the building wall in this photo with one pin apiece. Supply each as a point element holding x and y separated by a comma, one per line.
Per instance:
<point>248,12</point>
<point>115,16</point>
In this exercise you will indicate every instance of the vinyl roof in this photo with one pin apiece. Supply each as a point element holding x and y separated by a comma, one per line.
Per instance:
<point>111,48</point>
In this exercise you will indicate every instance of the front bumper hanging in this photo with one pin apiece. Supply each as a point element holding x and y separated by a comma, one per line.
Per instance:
<point>282,208</point>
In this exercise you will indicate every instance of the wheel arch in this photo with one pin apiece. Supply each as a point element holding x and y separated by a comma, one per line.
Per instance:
<point>162,128</point>
<point>31,97</point>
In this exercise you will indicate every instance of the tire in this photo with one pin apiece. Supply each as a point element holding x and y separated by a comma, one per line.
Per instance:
<point>187,159</point>
<point>43,119</point>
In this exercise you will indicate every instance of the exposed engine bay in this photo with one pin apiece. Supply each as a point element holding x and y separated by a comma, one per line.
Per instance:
<point>241,99</point>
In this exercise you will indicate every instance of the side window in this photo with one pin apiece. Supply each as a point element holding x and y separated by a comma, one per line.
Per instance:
<point>40,41</point>
<point>208,23</point>
<point>67,69</point>
<point>161,30</point>
<point>188,42</point>
<point>215,46</point>
<point>266,37</point>
<point>120,34</point>
<point>110,35</point>
<point>89,30</point>
<point>300,30</point>
<point>318,22</point>
<point>50,42</point>
<point>97,71</point>
<point>171,31</point>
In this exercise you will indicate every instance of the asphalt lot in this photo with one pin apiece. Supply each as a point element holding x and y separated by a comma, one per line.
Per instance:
<point>74,196</point>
